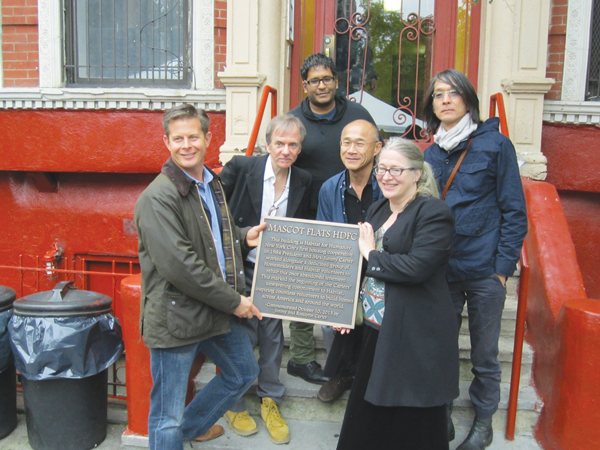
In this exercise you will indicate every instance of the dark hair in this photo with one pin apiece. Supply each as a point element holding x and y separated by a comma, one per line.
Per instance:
<point>461,84</point>
<point>317,60</point>
<point>283,123</point>
<point>185,111</point>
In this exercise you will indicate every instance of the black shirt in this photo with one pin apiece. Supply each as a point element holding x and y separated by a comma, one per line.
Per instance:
<point>356,208</point>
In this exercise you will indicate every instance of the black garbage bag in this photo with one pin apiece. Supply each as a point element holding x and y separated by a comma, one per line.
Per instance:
<point>6,356</point>
<point>64,347</point>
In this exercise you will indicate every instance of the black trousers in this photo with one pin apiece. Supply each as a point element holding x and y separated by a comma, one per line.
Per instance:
<point>344,354</point>
<point>371,427</point>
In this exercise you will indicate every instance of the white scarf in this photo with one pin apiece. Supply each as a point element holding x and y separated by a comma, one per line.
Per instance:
<point>458,133</point>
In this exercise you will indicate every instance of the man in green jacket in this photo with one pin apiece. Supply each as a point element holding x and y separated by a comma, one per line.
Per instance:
<point>192,287</point>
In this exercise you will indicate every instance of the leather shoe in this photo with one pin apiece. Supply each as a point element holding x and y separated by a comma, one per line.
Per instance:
<point>334,388</point>
<point>480,436</point>
<point>214,432</point>
<point>310,372</point>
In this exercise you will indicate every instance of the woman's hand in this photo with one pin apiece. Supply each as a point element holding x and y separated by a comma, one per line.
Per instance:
<point>342,330</point>
<point>366,240</point>
<point>253,234</point>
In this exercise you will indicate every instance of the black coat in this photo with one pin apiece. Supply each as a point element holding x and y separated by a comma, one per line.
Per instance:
<point>243,179</point>
<point>416,359</point>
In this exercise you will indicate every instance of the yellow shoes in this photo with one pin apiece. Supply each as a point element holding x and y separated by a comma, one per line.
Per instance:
<point>277,426</point>
<point>241,423</point>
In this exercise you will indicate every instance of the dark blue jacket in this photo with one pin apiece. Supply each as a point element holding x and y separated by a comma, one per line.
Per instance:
<point>487,203</point>
<point>331,198</point>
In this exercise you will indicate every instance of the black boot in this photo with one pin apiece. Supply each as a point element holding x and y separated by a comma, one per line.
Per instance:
<point>451,432</point>
<point>480,436</point>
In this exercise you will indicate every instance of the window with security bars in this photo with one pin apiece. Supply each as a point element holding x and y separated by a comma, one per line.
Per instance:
<point>127,43</point>
<point>593,78</point>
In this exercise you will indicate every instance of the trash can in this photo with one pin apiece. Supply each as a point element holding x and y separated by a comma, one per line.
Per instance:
<point>8,377</point>
<point>63,341</point>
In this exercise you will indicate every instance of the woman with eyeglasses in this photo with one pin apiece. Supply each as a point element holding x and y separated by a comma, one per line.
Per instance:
<point>408,369</point>
<point>488,207</point>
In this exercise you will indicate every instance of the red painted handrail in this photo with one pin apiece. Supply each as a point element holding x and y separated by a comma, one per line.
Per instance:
<point>498,99</point>
<point>518,346</point>
<point>261,111</point>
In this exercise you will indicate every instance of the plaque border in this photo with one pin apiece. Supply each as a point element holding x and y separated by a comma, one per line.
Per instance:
<point>345,226</point>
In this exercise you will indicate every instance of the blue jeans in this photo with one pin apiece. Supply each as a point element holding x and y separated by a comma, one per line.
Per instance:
<point>170,421</point>
<point>485,301</point>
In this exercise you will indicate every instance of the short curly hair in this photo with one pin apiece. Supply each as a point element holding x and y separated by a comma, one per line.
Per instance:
<point>317,60</point>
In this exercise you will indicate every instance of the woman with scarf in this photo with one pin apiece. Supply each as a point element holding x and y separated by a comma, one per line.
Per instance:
<point>488,206</point>
<point>408,368</point>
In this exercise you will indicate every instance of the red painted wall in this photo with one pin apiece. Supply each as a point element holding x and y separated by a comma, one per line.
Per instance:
<point>573,166</point>
<point>92,212</point>
<point>91,141</point>
<point>582,210</point>
<point>573,153</point>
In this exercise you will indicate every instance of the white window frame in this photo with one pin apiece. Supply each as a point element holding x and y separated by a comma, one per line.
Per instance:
<point>52,92</point>
<point>572,107</point>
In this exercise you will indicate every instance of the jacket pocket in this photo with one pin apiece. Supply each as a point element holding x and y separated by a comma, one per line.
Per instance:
<point>476,221</point>
<point>187,317</point>
<point>473,178</point>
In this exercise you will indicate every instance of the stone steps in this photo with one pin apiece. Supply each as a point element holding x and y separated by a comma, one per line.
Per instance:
<point>301,403</point>
<point>301,406</point>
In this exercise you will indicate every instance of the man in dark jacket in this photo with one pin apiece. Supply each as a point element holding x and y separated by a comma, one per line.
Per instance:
<point>345,198</point>
<point>192,286</point>
<point>324,116</point>
<point>488,205</point>
<point>257,187</point>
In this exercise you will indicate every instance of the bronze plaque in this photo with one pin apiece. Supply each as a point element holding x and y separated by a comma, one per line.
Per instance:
<point>308,271</point>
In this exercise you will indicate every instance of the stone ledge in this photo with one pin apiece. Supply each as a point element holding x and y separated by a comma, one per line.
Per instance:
<point>114,98</point>
<point>580,113</point>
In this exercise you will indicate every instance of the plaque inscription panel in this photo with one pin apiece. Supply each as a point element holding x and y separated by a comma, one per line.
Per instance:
<point>308,271</point>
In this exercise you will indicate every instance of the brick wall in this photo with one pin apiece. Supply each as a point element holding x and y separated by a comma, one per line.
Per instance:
<point>220,39</point>
<point>556,46</point>
<point>20,43</point>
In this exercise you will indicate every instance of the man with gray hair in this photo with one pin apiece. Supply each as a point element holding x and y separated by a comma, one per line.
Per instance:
<point>257,187</point>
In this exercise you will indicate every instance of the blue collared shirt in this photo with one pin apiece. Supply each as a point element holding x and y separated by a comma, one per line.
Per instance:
<point>208,198</point>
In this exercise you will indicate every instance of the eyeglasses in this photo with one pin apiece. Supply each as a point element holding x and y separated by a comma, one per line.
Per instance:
<point>314,82</point>
<point>359,145</point>
<point>438,95</point>
<point>394,171</point>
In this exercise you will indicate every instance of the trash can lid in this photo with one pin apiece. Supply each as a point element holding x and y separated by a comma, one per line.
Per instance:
<point>63,301</point>
<point>7,297</point>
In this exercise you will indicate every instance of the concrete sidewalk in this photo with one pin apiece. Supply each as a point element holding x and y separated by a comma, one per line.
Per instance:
<point>305,435</point>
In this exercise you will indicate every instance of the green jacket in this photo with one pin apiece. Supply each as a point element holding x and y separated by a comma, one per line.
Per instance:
<point>185,298</point>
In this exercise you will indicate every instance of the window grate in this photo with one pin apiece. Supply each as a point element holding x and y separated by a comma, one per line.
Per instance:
<point>127,42</point>
<point>593,78</point>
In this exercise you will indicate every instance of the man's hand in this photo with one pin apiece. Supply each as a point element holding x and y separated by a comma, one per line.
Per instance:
<point>502,279</point>
<point>253,234</point>
<point>246,309</point>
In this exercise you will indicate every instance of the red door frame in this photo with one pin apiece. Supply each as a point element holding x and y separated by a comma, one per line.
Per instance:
<point>444,48</point>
